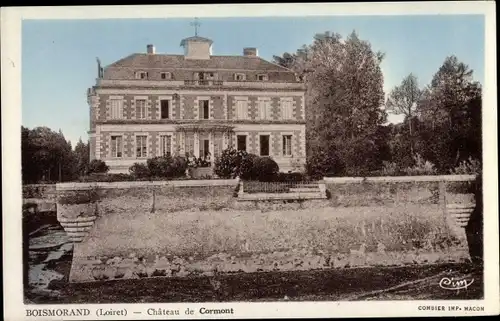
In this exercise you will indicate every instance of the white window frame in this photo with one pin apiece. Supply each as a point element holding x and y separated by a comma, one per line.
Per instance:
<point>264,110</point>
<point>142,146</point>
<point>169,116</point>
<point>139,75</point>
<point>264,76</point>
<point>115,108</point>
<point>240,75</point>
<point>283,150</point>
<point>241,105</point>
<point>118,146</point>
<point>201,110</point>
<point>137,115</point>
<point>162,144</point>
<point>286,107</point>
<point>268,144</point>
<point>168,75</point>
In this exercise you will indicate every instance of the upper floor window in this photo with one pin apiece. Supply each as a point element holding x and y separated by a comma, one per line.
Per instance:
<point>241,109</point>
<point>204,109</point>
<point>166,75</point>
<point>239,77</point>
<point>141,75</point>
<point>116,109</point>
<point>286,109</point>
<point>165,109</point>
<point>264,109</point>
<point>116,146</point>
<point>262,77</point>
<point>140,108</point>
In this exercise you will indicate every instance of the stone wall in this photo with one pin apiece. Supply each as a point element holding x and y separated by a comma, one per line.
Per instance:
<point>190,228</point>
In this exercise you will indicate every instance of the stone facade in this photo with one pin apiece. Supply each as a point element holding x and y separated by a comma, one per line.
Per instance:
<point>147,104</point>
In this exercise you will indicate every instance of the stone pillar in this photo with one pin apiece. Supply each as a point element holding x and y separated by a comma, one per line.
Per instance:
<point>182,144</point>
<point>196,145</point>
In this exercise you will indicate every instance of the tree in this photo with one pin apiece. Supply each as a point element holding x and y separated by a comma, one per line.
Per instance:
<point>403,100</point>
<point>82,157</point>
<point>450,114</point>
<point>46,156</point>
<point>344,98</point>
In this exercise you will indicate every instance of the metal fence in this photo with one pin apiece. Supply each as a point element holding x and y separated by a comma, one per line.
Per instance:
<point>279,187</point>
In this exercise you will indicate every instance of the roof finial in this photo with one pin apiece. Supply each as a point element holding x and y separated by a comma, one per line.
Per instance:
<point>196,25</point>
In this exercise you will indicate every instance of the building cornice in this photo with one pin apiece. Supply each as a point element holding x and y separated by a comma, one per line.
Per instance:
<point>224,122</point>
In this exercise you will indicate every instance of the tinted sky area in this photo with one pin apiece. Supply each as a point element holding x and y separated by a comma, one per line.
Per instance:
<point>59,56</point>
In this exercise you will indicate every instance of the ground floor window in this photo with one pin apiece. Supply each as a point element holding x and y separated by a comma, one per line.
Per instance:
<point>287,145</point>
<point>264,145</point>
<point>241,142</point>
<point>165,145</point>
<point>141,146</point>
<point>116,146</point>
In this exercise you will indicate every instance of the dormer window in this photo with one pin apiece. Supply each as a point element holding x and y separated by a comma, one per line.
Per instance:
<point>239,77</point>
<point>141,75</point>
<point>262,77</point>
<point>166,75</point>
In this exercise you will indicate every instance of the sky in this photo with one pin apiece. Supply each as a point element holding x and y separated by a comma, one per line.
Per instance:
<point>59,56</point>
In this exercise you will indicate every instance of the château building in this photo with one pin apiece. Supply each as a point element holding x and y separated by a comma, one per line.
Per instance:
<point>151,104</point>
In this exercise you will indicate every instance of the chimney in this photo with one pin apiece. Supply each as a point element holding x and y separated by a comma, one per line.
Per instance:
<point>151,50</point>
<point>250,52</point>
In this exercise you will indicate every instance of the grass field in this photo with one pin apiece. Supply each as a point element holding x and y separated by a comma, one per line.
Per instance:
<point>202,234</point>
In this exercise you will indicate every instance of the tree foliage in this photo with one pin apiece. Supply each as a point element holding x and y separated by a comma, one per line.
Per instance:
<point>344,99</point>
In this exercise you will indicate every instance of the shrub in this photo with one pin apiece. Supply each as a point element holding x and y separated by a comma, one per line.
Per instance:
<point>263,169</point>
<point>167,167</point>
<point>390,169</point>
<point>97,166</point>
<point>290,177</point>
<point>421,167</point>
<point>232,163</point>
<point>470,166</point>
<point>245,166</point>
<point>80,197</point>
<point>139,170</point>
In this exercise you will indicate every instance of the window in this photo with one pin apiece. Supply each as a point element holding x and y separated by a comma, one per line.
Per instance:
<point>241,109</point>
<point>165,145</point>
<point>189,145</point>
<point>239,77</point>
<point>141,147</point>
<point>204,146</point>
<point>141,75</point>
<point>204,109</point>
<point>262,77</point>
<point>140,109</point>
<point>264,145</point>
<point>165,75</point>
<point>264,109</point>
<point>241,141</point>
<point>116,109</point>
<point>116,146</point>
<point>286,109</point>
<point>287,145</point>
<point>165,109</point>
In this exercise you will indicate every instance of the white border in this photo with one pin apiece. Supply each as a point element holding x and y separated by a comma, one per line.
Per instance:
<point>11,161</point>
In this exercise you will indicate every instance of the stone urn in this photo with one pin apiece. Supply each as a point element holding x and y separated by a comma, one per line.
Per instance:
<point>77,212</point>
